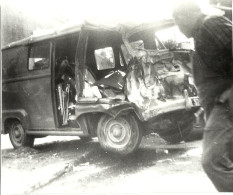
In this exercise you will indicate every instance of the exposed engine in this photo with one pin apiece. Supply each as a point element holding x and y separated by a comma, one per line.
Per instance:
<point>154,77</point>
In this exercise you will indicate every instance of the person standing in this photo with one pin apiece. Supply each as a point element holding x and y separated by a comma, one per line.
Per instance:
<point>213,76</point>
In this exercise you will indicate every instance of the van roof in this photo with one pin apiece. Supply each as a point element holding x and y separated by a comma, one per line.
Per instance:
<point>72,28</point>
<point>44,35</point>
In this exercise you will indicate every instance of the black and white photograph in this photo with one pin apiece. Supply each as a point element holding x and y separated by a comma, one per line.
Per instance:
<point>116,97</point>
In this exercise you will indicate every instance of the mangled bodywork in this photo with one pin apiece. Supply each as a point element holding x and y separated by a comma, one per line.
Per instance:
<point>157,84</point>
<point>154,82</point>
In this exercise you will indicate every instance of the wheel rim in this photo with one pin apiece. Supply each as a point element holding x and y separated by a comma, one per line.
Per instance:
<point>17,133</point>
<point>117,133</point>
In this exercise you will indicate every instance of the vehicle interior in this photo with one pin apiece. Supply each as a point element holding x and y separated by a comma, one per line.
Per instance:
<point>65,48</point>
<point>104,70</point>
<point>105,65</point>
<point>102,46</point>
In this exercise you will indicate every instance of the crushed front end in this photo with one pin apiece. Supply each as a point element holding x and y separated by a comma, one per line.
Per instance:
<point>157,84</point>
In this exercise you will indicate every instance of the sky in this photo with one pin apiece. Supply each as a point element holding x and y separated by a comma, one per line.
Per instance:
<point>75,11</point>
<point>48,14</point>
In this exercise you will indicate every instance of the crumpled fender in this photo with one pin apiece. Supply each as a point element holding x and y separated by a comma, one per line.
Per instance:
<point>114,109</point>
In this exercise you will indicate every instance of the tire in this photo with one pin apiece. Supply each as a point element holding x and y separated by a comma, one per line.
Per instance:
<point>120,135</point>
<point>179,131</point>
<point>18,137</point>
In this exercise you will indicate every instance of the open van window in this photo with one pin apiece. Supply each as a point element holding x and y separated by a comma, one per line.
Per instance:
<point>39,57</point>
<point>105,58</point>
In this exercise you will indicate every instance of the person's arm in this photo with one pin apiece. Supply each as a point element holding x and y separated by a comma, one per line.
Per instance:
<point>219,29</point>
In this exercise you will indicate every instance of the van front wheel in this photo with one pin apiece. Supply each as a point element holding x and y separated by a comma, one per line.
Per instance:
<point>18,137</point>
<point>120,135</point>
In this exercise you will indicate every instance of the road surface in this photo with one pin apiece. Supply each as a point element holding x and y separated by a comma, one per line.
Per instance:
<point>67,165</point>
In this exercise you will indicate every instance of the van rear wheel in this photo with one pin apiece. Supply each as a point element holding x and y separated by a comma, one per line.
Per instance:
<point>120,135</point>
<point>18,137</point>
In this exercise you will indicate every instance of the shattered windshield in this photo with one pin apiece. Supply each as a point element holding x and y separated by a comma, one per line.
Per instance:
<point>146,39</point>
<point>143,40</point>
<point>155,38</point>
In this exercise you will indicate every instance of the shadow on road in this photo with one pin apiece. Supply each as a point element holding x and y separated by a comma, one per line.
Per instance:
<point>88,161</point>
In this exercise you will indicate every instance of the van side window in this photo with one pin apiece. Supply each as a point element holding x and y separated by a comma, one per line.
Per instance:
<point>104,58</point>
<point>39,57</point>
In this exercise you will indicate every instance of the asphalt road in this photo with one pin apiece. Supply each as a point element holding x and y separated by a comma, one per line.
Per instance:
<point>70,166</point>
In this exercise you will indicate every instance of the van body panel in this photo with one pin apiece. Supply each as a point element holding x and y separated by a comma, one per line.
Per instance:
<point>28,90</point>
<point>114,108</point>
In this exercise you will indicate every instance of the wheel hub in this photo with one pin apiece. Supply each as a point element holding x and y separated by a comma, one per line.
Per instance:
<point>17,133</point>
<point>117,133</point>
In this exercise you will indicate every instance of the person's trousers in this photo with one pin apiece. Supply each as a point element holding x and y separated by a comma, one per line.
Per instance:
<point>217,156</point>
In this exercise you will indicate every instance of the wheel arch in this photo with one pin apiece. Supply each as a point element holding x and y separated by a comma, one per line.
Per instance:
<point>85,114</point>
<point>12,115</point>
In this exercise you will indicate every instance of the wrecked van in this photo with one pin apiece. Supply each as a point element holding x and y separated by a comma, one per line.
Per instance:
<point>117,83</point>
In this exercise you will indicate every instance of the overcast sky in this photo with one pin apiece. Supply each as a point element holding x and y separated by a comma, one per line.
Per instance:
<point>99,10</point>
<point>37,16</point>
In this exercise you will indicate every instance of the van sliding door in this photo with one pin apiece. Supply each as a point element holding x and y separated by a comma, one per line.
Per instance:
<point>37,87</point>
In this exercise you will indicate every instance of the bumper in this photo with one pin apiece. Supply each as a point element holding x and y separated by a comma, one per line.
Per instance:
<point>114,108</point>
<point>186,103</point>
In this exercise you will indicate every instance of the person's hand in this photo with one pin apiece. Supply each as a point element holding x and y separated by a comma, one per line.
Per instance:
<point>226,95</point>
